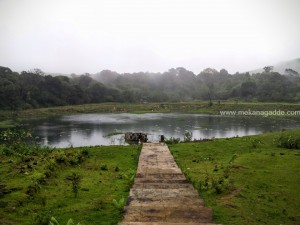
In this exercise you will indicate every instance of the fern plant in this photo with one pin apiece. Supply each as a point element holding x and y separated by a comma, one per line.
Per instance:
<point>53,221</point>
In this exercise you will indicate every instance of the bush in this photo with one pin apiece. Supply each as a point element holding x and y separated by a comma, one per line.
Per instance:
<point>75,179</point>
<point>255,142</point>
<point>20,142</point>
<point>187,136</point>
<point>172,140</point>
<point>287,141</point>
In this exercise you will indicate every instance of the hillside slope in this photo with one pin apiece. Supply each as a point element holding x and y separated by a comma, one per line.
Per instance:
<point>281,67</point>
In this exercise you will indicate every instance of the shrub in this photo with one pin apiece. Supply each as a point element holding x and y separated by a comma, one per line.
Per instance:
<point>75,179</point>
<point>172,140</point>
<point>255,142</point>
<point>187,136</point>
<point>42,218</point>
<point>20,143</point>
<point>287,141</point>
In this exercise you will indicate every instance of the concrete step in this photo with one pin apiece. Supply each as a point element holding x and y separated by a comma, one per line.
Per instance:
<point>162,186</point>
<point>160,213</point>
<point>163,193</point>
<point>153,202</point>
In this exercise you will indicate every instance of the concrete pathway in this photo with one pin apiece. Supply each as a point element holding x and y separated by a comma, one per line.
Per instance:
<point>161,193</point>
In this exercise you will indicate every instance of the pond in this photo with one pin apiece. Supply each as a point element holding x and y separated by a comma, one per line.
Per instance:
<point>109,129</point>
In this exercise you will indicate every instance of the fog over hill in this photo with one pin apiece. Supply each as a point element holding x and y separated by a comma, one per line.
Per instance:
<point>282,67</point>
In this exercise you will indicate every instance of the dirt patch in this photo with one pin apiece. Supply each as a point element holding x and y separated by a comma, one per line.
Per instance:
<point>231,195</point>
<point>238,167</point>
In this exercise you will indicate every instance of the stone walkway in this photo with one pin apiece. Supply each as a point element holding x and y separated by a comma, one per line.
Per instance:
<point>161,193</point>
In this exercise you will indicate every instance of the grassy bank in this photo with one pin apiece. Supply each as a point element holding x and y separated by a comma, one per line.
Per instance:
<point>10,118</point>
<point>248,180</point>
<point>77,183</point>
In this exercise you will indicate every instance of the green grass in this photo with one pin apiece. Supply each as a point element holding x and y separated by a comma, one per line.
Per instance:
<point>113,133</point>
<point>7,124</point>
<point>246,180</point>
<point>106,173</point>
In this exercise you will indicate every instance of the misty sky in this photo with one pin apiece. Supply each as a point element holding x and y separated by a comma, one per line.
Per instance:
<point>78,36</point>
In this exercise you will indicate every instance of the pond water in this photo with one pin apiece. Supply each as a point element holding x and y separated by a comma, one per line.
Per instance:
<point>97,129</point>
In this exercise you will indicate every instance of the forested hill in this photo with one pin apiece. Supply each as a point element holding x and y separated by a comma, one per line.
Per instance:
<point>33,89</point>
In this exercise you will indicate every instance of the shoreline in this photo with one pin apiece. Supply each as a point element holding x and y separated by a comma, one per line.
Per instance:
<point>10,119</point>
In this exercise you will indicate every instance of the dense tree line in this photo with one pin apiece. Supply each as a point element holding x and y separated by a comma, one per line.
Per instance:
<point>33,89</point>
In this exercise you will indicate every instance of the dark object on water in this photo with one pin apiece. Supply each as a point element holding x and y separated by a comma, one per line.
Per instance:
<point>162,138</point>
<point>136,137</point>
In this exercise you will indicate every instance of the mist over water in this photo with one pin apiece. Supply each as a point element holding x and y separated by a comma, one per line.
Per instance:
<point>96,129</point>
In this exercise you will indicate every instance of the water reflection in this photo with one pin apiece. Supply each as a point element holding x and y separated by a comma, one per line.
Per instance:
<point>94,129</point>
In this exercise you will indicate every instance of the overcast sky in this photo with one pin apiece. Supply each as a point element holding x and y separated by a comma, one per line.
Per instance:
<point>78,36</point>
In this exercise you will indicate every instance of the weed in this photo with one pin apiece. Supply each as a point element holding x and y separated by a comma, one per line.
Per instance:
<point>85,152</point>
<point>53,221</point>
<point>113,133</point>
<point>234,157</point>
<point>104,167</point>
<point>255,142</point>
<point>288,141</point>
<point>187,136</point>
<point>75,179</point>
<point>38,178</point>
<point>216,168</point>
<point>226,172</point>
<point>172,140</point>
<point>42,218</point>
<point>119,204</point>
<point>33,189</point>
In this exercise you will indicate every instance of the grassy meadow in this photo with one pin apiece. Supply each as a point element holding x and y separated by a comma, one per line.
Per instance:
<point>88,184</point>
<point>248,180</point>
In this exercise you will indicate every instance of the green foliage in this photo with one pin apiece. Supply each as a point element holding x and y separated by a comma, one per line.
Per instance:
<point>117,169</point>
<point>119,204</point>
<point>53,221</point>
<point>33,190</point>
<point>21,143</point>
<point>70,158</point>
<point>239,182</point>
<point>172,140</point>
<point>42,218</point>
<point>38,185</point>
<point>255,142</point>
<point>187,136</point>
<point>114,133</point>
<point>104,167</point>
<point>85,152</point>
<point>75,179</point>
<point>12,137</point>
<point>233,158</point>
<point>35,89</point>
<point>286,140</point>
